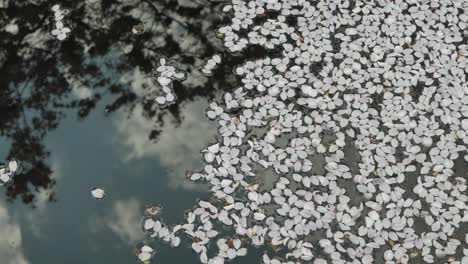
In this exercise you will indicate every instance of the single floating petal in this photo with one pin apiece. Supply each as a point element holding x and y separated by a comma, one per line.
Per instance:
<point>55,8</point>
<point>144,256</point>
<point>62,36</point>
<point>98,193</point>
<point>5,178</point>
<point>13,165</point>
<point>146,249</point>
<point>164,81</point>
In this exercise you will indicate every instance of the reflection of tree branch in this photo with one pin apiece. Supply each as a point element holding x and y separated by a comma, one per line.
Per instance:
<point>46,65</point>
<point>202,2</point>
<point>20,101</point>
<point>153,6</point>
<point>39,26</point>
<point>184,54</point>
<point>24,88</point>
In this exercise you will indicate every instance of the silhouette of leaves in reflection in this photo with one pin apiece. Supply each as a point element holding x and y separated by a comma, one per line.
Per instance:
<point>39,75</point>
<point>41,78</point>
<point>35,173</point>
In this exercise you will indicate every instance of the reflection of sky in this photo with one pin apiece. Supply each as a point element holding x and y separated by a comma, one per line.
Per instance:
<point>113,153</point>
<point>84,155</point>
<point>178,146</point>
<point>10,239</point>
<point>124,220</point>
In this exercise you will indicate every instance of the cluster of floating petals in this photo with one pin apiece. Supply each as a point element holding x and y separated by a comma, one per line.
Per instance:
<point>361,112</point>
<point>60,31</point>
<point>7,172</point>
<point>98,193</point>
<point>165,74</point>
<point>211,64</point>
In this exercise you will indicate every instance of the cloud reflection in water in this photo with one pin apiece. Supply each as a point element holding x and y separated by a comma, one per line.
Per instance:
<point>124,220</point>
<point>10,239</point>
<point>178,146</point>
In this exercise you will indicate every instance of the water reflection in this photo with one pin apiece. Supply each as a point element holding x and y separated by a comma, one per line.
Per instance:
<point>10,239</point>
<point>101,76</point>
<point>179,142</point>
<point>108,229</point>
<point>124,220</point>
<point>42,80</point>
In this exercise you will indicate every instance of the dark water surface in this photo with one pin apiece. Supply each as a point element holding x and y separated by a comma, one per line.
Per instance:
<point>74,112</point>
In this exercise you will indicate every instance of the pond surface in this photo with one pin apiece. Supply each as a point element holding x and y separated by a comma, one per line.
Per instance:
<point>100,152</point>
<point>76,114</point>
<point>73,114</point>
